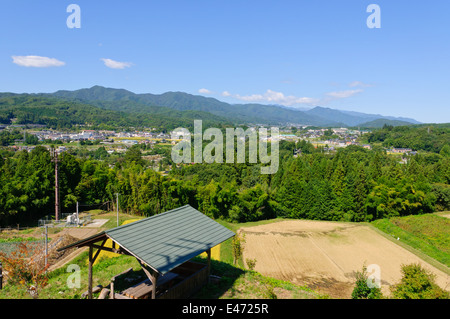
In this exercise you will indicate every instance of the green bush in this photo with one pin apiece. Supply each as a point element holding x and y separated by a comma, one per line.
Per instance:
<point>362,289</point>
<point>417,283</point>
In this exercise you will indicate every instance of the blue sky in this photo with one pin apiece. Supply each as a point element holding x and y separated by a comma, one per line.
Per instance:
<point>295,53</point>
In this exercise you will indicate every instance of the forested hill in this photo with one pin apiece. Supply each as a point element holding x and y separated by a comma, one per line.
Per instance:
<point>120,99</point>
<point>432,138</point>
<point>59,114</point>
<point>349,118</point>
<point>239,113</point>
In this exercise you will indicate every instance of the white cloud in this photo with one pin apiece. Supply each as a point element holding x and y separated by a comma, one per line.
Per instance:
<point>204,91</point>
<point>116,64</point>
<point>359,84</point>
<point>36,61</point>
<point>343,94</point>
<point>274,97</point>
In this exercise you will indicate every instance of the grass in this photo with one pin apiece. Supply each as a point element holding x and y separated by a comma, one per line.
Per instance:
<point>236,282</point>
<point>429,234</point>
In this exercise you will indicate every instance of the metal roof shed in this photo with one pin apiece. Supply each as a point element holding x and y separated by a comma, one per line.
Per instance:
<point>160,242</point>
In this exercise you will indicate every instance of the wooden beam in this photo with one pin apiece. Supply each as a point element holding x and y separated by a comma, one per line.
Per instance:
<point>100,248</point>
<point>124,252</point>
<point>118,250</point>
<point>152,275</point>
<point>112,250</point>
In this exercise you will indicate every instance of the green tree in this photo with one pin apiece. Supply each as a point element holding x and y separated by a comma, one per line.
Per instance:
<point>31,139</point>
<point>362,289</point>
<point>360,195</point>
<point>417,283</point>
<point>445,150</point>
<point>133,154</point>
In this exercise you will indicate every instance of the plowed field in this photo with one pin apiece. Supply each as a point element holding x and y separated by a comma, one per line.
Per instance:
<point>326,255</point>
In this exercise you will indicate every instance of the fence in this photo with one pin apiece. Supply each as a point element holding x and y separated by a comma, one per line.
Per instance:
<point>66,220</point>
<point>8,247</point>
<point>9,228</point>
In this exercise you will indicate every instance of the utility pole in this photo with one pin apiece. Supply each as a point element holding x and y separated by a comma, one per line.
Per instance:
<point>117,208</point>
<point>56,160</point>
<point>78,219</point>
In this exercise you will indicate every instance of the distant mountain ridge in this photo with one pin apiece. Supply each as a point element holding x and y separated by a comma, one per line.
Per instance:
<point>351,118</point>
<point>124,100</point>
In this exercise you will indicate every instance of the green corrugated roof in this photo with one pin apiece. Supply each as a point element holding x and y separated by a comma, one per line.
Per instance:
<point>167,240</point>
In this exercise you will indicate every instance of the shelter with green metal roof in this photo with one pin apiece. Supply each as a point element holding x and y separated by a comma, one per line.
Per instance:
<point>161,242</point>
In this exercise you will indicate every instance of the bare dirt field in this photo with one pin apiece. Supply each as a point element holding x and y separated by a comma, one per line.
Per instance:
<point>326,255</point>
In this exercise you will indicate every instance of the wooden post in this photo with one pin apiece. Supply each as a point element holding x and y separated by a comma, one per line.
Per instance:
<point>111,294</point>
<point>152,276</point>
<point>208,252</point>
<point>154,279</point>
<point>91,261</point>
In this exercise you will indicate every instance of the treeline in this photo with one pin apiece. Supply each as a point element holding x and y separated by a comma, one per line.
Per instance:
<point>360,185</point>
<point>430,138</point>
<point>353,184</point>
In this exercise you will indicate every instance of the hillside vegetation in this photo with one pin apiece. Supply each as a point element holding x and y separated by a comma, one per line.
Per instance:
<point>431,138</point>
<point>62,114</point>
<point>429,234</point>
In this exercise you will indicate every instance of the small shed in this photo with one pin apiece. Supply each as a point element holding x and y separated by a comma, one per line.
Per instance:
<point>163,244</point>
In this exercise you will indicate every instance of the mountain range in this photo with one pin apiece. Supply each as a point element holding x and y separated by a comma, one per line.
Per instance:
<point>126,101</point>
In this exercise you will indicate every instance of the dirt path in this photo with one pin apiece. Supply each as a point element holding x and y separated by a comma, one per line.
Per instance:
<point>75,233</point>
